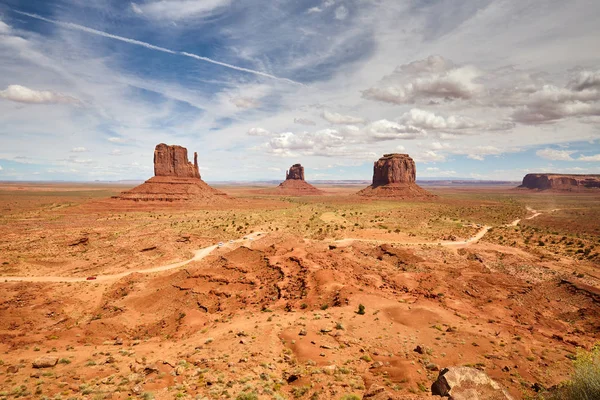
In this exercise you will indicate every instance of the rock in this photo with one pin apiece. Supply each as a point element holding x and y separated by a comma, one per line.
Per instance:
<point>83,240</point>
<point>561,182</point>
<point>432,367</point>
<point>175,179</point>
<point>377,392</point>
<point>13,369</point>
<point>294,184</point>
<point>420,349</point>
<point>173,161</point>
<point>376,364</point>
<point>466,383</point>
<point>296,171</point>
<point>302,332</point>
<point>118,341</point>
<point>329,369</point>
<point>45,362</point>
<point>137,389</point>
<point>394,175</point>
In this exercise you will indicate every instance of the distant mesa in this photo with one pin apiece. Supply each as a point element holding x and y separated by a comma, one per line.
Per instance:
<point>394,176</point>
<point>175,179</point>
<point>294,184</point>
<point>562,182</point>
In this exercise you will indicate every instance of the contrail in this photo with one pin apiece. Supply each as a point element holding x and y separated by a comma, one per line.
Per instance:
<point>70,25</point>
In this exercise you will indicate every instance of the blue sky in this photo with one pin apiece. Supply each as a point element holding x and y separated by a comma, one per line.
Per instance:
<point>484,89</point>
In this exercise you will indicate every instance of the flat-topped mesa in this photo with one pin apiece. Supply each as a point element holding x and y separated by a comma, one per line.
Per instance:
<point>561,182</point>
<point>173,161</point>
<point>394,176</point>
<point>296,171</point>
<point>394,168</point>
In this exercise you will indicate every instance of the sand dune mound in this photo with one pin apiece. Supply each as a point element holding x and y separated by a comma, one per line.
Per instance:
<point>175,179</point>
<point>394,178</point>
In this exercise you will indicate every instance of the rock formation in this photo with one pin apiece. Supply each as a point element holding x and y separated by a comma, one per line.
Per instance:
<point>294,184</point>
<point>175,179</point>
<point>561,182</point>
<point>296,171</point>
<point>394,176</point>
<point>466,383</point>
<point>173,161</point>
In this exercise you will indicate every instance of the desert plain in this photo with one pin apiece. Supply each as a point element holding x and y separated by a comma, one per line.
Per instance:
<point>313,297</point>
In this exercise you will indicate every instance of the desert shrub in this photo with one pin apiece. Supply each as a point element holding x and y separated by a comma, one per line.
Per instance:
<point>247,396</point>
<point>350,397</point>
<point>585,381</point>
<point>361,309</point>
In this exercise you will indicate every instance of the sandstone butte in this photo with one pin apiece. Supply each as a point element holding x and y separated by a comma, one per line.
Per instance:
<point>175,179</point>
<point>562,182</point>
<point>394,176</point>
<point>294,184</point>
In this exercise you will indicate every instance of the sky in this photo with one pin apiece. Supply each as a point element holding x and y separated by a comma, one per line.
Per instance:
<point>476,89</point>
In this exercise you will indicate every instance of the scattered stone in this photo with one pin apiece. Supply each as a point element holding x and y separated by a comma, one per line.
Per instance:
<point>329,369</point>
<point>83,240</point>
<point>302,332</point>
<point>45,362</point>
<point>180,370</point>
<point>118,341</point>
<point>466,383</point>
<point>432,367</point>
<point>137,389</point>
<point>326,330</point>
<point>420,349</point>
<point>377,392</point>
<point>13,369</point>
<point>376,364</point>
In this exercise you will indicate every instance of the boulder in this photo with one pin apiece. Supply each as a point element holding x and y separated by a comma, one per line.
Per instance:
<point>561,182</point>
<point>466,383</point>
<point>45,362</point>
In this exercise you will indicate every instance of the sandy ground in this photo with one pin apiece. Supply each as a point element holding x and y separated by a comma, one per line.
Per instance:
<point>172,315</point>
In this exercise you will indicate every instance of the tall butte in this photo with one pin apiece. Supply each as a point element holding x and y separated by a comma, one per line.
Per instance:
<point>175,179</point>
<point>394,176</point>
<point>294,184</point>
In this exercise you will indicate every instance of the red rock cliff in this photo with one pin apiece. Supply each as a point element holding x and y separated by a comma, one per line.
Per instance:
<point>394,168</point>
<point>296,172</point>
<point>567,182</point>
<point>173,161</point>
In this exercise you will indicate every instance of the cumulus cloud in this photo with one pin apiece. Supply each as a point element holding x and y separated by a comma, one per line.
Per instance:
<point>179,9</point>
<point>116,140</point>
<point>426,80</point>
<point>304,121</point>
<point>585,80</point>
<point>116,152</point>
<point>429,156</point>
<point>258,132</point>
<point>552,103</point>
<point>78,150</point>
<point>389,130</point>
<point>4,28</point>
<point>336,118</point>
<point>22,94</point>
<point>314,10</point>
<point>245,102</point>
<point>428,120</point>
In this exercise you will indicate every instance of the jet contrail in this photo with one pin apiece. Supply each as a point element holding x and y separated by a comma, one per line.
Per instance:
<point>70,25</point>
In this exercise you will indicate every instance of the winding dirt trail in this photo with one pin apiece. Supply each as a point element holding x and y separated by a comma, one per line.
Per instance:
<point>198,255</point>
<point>449,243</point>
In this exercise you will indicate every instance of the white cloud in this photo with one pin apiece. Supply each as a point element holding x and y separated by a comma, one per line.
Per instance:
<point>557,155</point>
<point>180,9</point>
<point>117,140</point>
<point>245,102</point>
<point>1,168</point>
<point>585,80</point>
<point>4,28</point>
<point>116,152</point>
<point>428,120</point>
<point>429,156</point>
<point>425,80</point>
<point>479,152</point>
<point>314,10</point>
<point>341,13</point>
<point>594,158</point>
<point>136,9</point>
<point>22,94</point>
<point>78,150</point>
<point>304,121</point>
<point>258,132</point>
<point>388,130</point>
<point>336,118</point>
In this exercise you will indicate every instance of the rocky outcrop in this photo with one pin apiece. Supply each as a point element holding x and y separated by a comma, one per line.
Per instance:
<point>175,179</point>
<point>296,171</point>
<point>394,168</point>
<point>45,362</point>
<point>394,176</point>
<point>561,182</point>
<point>294,184</point>
<point>173,161</point>
<point>466,383</point>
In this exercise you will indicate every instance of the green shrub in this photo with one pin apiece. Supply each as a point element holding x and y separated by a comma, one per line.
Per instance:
<point>350,397</point>
<point>247,396</point>
<point>361,309</point>
<point>585,381</point>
